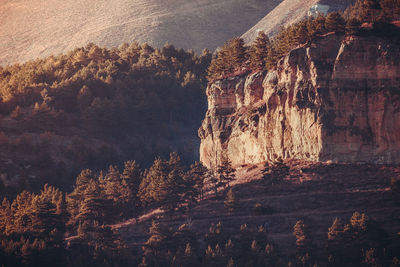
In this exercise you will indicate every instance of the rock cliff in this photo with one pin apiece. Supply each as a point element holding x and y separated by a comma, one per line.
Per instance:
<point>336,99</point>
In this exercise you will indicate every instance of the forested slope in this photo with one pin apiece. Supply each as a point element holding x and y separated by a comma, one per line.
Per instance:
<point>95,106</point>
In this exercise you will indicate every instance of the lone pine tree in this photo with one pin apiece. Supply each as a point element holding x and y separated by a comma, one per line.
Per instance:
<point>259,51</point>
<point>231,201</point>
<point>226,174</point>
<point>163,184</point>
<point>303,243</point>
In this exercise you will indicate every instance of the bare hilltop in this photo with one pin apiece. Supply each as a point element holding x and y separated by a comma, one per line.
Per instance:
<point>38,28</point>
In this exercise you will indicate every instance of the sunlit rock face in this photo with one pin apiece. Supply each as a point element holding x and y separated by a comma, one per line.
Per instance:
<point>337,99</point>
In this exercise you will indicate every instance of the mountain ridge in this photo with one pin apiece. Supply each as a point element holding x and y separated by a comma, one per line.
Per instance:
<point>39,28</point>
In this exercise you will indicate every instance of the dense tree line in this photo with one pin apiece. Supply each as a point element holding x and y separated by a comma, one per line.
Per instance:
<point>95,106</point>
<point>234,57</point>
<point>33,227</point>
<point>374,11</point>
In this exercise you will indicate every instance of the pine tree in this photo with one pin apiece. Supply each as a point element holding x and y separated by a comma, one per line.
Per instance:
<point>33,227</point>
<point>269,257</point>
<point>175,183</point>
<point>301,34</point>
<point>155,249</point>
<point>272,57</point>
<point>144,262</point>
<point>237,52</point>
<point>209,256</point>
<point>335,22</point>
<point>275,173</point>
<point>77,195</point>
<point>184,235</point>
<point>106,241</point>
<point>152,188</point>
<point>303,242</point>
<point>230,201</point>
<point>259,51</point>
<point>391,9</point>
<point>316,26</point>
<point>335,241</point>
<point>226,174</point>
<point>131,179</point>
<point>194,183</point>
<point>103,242</point>
<point>370,10</point>
<point>223,61</point>
<point>231,263</point>
<point>216,235</point>
<point>184,257</point>
<point>266,174</point>
<point>131,175</point>
<point>219,65</point>
<point>254,254</point>
<point>5,215</point>
<point>348,243</point>
<point>230,57</point>
<point>302,234</point>
<point>112,185</point>
<point>352,26</point>
<point>212,178</point>
<point>116,189</point>
<point>44,217</point>
<point>16,113</point>
<point>229,249</point>
<point>21,210</point>
<point>336,230</point>
<point>163,185</point>
<point>95,207</point>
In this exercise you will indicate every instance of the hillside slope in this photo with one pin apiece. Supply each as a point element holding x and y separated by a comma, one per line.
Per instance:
<point>314,192</point>
<point>287,13</point>
<point>94,107</point>
<point>38,28</point>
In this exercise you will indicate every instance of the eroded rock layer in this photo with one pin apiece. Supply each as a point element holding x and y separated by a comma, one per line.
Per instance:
<point>337,99</point>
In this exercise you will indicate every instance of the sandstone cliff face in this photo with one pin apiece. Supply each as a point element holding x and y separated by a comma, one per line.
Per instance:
<point>337,99</point>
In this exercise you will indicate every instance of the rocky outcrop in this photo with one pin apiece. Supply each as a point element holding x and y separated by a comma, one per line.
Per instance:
<point>337,99</point>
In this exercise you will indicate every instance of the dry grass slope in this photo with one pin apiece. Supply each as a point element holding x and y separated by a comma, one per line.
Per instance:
<point>38,28</point>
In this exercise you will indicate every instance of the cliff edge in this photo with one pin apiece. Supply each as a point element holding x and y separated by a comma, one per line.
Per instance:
<point>336,99</point>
